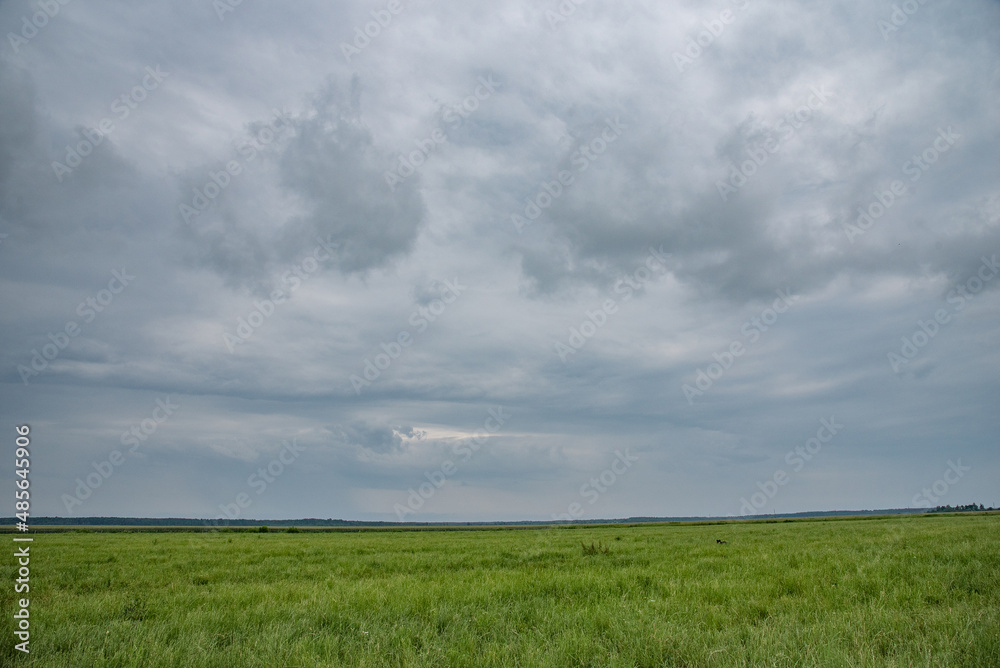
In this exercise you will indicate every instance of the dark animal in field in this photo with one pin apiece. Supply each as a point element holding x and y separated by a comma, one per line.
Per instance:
<point>719,540</point>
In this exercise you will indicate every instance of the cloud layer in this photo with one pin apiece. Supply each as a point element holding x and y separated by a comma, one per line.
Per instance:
<point>684,234</point>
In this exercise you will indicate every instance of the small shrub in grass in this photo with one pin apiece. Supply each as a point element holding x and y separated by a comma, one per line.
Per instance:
<point>594,548</point>
<point>262,529</point>
<point>293,530</point>
<point>134,610</point>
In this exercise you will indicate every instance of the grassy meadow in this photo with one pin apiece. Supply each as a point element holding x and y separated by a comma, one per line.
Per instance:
<point>904,591</point>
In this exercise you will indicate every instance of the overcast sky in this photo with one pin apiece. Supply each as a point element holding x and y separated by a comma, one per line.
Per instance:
<point>495,261</point>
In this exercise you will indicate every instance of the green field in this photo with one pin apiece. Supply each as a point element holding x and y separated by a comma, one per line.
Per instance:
<point>903,591</point>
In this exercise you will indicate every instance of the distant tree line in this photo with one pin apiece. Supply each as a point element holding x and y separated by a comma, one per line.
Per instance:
<point>959,509</point>
<point>180,522</point>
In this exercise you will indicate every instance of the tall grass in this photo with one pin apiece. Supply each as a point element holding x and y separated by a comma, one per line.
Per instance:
<point>908,591</point>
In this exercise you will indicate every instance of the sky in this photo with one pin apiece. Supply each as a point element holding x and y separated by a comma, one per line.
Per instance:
<point>450,261</point>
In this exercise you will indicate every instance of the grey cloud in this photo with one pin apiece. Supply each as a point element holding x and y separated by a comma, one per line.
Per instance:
<point>326,163</point>
<point>333,163</point>
<point>380,439</point>
<point>321,176</point>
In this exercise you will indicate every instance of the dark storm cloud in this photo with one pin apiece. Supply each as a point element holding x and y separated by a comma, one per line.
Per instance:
<point>331,162</point>
<point>325,160</point>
